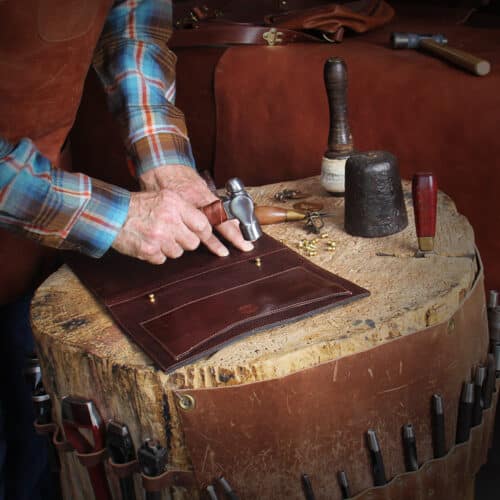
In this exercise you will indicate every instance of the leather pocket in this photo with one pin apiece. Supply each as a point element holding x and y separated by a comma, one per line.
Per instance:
<point>62,20</point>
<point>204,320</point>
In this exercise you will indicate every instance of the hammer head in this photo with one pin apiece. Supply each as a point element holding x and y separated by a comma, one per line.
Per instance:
<point>412,40</point>
<point>239,205</point>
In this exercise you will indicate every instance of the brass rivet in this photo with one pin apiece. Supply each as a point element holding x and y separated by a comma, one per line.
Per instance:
<point>152,298</point>
<point>258,262</point>
<point>187,402</point>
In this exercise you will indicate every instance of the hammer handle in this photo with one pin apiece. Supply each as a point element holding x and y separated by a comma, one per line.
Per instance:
<point>460,58</point>
<point>339,135</point>
<point>215,213</point>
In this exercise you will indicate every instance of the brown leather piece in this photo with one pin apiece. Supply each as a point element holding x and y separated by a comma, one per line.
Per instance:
<point>262,436</point>
<point>124,470</point>
<point>92,459</point>
<point>193,306</point>
<point>171,477</point>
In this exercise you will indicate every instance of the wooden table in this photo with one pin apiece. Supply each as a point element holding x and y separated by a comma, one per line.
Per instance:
<point>83,352</point>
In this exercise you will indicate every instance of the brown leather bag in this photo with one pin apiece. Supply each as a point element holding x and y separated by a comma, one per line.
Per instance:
<point>271,22</point>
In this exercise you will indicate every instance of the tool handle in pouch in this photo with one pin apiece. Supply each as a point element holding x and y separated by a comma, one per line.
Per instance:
<point>424,192</point>
<point>215,213</point>
<point>465,60</point>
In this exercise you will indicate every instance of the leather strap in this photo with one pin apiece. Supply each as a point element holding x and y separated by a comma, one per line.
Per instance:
<point>92,459</point>
<point>57,436</point>
<point>172,477</point>
<point>217,34</point>
<point>124,470</point>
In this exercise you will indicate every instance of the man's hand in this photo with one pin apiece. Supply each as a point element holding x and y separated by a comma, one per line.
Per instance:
<point>192,188</point>
<point>161,224</point>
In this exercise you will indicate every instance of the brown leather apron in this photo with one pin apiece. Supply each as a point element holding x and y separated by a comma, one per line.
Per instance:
<point>46,48</point>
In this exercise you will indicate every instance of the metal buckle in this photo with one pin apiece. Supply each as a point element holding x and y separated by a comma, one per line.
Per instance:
<point>273,37</point>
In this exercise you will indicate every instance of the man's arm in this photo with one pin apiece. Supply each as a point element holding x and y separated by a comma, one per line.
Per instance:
<point>57,208</point>
<point>73,211</point>
<point>137,71</point>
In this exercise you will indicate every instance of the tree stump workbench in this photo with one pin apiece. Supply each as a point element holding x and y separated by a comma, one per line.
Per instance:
<point>83,352</point>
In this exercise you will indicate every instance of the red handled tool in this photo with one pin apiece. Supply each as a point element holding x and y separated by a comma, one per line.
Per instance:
<point>424,192</point>
<point>85,431</point>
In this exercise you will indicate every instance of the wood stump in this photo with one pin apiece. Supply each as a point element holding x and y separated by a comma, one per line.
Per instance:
<point>84,353</point>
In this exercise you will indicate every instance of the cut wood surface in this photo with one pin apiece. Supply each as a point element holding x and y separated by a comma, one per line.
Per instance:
<point>83,352</point>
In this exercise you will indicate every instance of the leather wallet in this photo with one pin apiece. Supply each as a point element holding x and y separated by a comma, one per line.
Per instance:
<point>190,307</point>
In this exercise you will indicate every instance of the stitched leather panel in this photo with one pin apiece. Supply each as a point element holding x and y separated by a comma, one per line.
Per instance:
<point>192,306</point>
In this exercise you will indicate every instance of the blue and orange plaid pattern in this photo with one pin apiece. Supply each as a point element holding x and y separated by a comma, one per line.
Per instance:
<point>73,211</point>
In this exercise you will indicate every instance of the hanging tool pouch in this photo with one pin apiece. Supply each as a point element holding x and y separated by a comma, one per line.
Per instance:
<point>193,306</point>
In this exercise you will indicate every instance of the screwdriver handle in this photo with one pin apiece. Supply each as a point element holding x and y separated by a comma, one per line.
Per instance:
<point>215,213</point>
<point>424,193</point>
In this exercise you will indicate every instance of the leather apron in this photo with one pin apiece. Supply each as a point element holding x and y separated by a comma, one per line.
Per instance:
<point>46,48</point>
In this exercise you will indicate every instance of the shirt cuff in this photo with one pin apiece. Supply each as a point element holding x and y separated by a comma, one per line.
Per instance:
<point>100,221</point>
<point>158,150</point>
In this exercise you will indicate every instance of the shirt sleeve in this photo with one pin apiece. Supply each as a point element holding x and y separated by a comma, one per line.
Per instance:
<point>57,208</point>
<point>137,71</point>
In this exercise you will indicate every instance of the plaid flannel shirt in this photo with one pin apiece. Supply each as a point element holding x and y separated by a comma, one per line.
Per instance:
<point>74,211</point>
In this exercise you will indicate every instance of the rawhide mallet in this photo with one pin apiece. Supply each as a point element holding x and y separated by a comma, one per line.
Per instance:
<point>340,144</point>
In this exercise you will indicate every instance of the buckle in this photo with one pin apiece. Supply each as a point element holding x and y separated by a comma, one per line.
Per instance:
<point>273,37</point>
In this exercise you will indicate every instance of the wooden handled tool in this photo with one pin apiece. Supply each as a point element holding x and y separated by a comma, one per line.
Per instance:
<point>465,60</point>
<point>339,134</point>
<point>265,214</point>
<point>340,144</point>
<point>437,45</point>
<point>424,192</point>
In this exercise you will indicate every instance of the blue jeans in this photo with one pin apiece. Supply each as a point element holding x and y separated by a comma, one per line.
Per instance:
<point>24,471</point>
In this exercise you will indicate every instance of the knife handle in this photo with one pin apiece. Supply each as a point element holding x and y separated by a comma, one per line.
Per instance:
<point>215,213</point>
<point>424,192</point>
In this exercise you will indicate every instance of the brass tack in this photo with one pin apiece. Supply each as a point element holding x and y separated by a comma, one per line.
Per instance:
<point>258,262</point>
<point>324,235</point>
<point>152,298</point>
<point>187,402</point>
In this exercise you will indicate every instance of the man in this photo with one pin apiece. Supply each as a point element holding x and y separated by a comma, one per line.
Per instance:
<point>46,48</point>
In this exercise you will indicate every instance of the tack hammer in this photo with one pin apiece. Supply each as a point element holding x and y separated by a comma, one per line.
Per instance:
<point>236,205</point>
<point>437,45</point>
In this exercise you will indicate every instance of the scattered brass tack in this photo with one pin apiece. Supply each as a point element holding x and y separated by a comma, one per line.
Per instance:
<point>258,262</point>
<point>152,298</point>
<point>324,235</point>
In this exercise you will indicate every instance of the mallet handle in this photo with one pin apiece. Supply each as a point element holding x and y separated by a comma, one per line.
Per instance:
<point>460,58</point>
<point>215,213</point>
<point>339,135</point>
